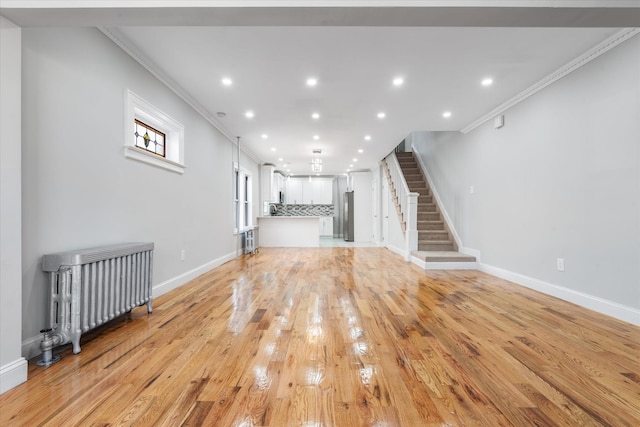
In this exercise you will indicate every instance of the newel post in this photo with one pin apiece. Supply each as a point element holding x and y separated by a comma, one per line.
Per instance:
<point>411,235</point>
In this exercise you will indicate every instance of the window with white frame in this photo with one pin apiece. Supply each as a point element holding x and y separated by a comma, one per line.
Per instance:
<point>242,205</point>
<point>152,136</point>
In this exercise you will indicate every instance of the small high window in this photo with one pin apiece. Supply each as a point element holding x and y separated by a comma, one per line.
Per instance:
<point>152,136</point>
<point>149,139</point>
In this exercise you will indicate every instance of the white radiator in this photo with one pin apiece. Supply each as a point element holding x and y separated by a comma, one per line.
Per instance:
<point>250,240</point>
<point>92,286</point>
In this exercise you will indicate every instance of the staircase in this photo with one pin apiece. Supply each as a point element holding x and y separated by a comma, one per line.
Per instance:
<point>435,242</point>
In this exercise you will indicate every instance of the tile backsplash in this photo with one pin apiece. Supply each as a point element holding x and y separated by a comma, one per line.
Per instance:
<point>280,209</point>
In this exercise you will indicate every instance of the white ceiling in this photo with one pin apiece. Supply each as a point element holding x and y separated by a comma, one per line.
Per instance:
<point>442,67</point>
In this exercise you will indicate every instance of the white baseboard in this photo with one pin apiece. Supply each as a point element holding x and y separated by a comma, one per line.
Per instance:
<point>609,308</point>
<point>13,374</point>
<point>176,282</point>
<point>600,305</point>
<point>472,252</point>
<point>396,250</point>
<point>31,346</point>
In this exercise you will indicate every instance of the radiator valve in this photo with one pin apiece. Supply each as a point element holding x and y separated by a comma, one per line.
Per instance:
<point>46,345</point>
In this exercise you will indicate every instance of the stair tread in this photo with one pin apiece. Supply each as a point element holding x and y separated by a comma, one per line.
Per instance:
<point>443,256</point>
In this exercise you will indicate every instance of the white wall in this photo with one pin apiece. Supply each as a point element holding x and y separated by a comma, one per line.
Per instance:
<point>561,179</point>
<point>80,191</point>
<point>13,367</point>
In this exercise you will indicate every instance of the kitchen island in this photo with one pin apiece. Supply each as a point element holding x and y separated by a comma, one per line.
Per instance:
<point>289,231</point>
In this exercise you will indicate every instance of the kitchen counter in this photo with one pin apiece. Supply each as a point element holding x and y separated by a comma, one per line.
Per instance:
<point>289,231</point>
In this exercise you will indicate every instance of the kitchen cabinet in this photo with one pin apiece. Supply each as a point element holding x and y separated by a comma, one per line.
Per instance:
<point>310,189</point>
<point>272,183</point>
<point>324,195</point>
<point>266,183</point>
<point>279,187</point>
<point>294,192</point>
<point>326,226</point>
<point>301,191</point>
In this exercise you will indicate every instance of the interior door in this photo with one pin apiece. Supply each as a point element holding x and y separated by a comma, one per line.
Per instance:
<point>375,210</point>
<point>385,211</point>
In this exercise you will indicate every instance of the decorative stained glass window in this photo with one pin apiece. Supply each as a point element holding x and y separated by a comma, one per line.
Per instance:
<point>149,139</point>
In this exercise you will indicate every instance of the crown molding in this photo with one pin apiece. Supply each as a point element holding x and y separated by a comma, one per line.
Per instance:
<point>608,44</point>
<point>50,4</point>
<point>119,39</point>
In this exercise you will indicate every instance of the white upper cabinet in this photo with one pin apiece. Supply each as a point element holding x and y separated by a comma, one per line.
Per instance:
<point>279,187</point>
<point>294,192</point>
<point>272,183</point>
<point>310,191</point>
<point>318,191</point>
<point>266,183</point>
<point>325,197</point>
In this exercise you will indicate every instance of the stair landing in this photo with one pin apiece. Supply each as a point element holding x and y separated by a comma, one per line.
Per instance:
<point>444,260</point>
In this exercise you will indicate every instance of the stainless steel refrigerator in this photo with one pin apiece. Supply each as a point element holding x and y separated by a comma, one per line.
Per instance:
<point>348,216</point>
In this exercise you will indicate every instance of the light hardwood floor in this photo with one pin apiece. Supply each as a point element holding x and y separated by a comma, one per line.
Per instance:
<point>342,337</point>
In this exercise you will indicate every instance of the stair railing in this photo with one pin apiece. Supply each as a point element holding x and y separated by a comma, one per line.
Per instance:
<point>407,203</point>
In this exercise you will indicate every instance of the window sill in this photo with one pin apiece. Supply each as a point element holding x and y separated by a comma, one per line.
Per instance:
<point>150,158</point>
<point>244,229</point>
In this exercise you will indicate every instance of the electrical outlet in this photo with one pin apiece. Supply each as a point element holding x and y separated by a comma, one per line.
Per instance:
<point>560,264</point>
<point>472,190</point>
<point>183,254</point>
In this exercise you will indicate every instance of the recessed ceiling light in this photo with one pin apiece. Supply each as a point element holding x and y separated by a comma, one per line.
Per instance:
<point>280,159</point>
<point>381,115</point>
<point>227,81</point>
<point>315,116</point>
<point>348,170</point>
<point>264,136</point>
<point>398,81</point>
<point>316,137</point>
<point>350,166</point>
<point>312,81</point>
<point>249,114</point>
<point>360,150</point>
<point>446,114</point>
<point>273,148</point>
<point>367,137</point>
<point>487,82</point>
<point>355,160</point>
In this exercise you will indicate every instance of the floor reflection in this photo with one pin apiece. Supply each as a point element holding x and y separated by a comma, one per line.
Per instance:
<point>242,305</point>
